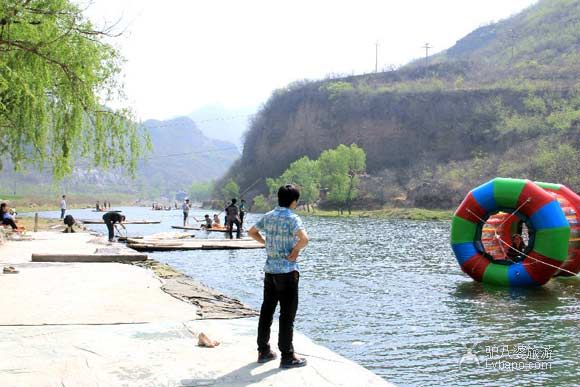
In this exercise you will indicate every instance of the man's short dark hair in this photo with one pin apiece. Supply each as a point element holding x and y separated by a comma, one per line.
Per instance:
<point>287,194</point>
<point>234,201</point>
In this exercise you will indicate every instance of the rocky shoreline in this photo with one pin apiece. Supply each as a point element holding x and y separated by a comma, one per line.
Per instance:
<point>211,304</point>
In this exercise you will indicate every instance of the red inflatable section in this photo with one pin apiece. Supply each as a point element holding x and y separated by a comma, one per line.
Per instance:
<point>570,203</point>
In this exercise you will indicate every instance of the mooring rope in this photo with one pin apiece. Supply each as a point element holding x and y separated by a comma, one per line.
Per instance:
<point>537,260</point>
<point>516,210</point>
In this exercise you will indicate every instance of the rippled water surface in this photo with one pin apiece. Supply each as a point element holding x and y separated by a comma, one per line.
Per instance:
<point>389,295</point>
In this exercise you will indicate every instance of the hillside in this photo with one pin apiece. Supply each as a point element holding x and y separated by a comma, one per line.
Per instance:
<point>433,131</point>
<point>180,155</point>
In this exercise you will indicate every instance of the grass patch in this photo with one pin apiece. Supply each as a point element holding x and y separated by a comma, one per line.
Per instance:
<point>32,203</point>
<point>387,213</point>
<point>43,224</point>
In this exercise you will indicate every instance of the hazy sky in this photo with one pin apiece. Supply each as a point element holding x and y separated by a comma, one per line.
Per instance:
<point>182,55</point>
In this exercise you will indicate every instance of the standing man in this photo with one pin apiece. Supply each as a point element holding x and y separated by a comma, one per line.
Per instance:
<point>110,218</point>
<point>284,236</point>
<point>186,207</point>
<point>232,217</point>
<point>62,206</point>
<point>242,212</point>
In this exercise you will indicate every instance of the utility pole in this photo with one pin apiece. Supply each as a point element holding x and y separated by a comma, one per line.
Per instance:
<point>512,38</point>
<point>427,46</point>
<point>376,56</point>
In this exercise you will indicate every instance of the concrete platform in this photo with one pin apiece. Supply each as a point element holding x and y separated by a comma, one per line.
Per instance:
<point>96,257</point>
<point>110,324</point>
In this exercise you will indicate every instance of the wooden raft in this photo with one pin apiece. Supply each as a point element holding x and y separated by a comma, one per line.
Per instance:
<point>100,221</point>
<point>192,244</point>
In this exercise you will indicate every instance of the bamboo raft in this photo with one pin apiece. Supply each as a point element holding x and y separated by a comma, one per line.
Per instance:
<point>150,244</point>
<point>100,221</point>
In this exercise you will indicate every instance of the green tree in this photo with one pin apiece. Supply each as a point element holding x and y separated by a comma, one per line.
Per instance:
<point>260,204</point>
<point>56,76</point>
<point>340,169</point>
<point>305,174</point>
<point>273,186</point>
<point>201,191</point>
<point>231,190</point>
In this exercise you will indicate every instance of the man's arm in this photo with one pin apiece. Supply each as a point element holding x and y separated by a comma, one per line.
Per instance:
<point>254,233</point>
<point>302,242</point>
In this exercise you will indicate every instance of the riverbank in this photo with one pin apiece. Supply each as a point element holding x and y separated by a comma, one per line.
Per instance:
<point>386,213</point>
<point>37,203</point>
<point>117,324</point>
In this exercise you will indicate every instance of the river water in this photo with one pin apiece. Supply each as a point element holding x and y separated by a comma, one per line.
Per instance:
<point>389,295</point>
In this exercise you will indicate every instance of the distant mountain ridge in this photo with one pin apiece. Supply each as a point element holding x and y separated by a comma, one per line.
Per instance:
<point>181,155</point>
<point>224,123</point>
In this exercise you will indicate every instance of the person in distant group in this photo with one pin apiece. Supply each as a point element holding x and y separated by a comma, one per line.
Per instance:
<point>516,251</point>
<point>62,206</point>
<point>186,207</point>
<point>110,219</point>
<point>98,206</point>
<point>6,217</point>
<point>216,221</point>
<point>233,217</point>
<point>208,222</point>
<point>284,236</point>
<point>242,212</point>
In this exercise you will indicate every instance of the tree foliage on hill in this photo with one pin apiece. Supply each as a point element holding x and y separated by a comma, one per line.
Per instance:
<point>303,173</point>
<point>56,74</point>
<point>230,190</point>
<point>198,192</point>
<point>340,171</point>
<point>337,171</point>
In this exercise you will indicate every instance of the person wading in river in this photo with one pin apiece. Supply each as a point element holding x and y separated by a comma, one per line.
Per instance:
<point>284,237</point>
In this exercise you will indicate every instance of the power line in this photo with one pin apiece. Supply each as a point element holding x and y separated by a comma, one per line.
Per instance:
<point>231,148</point>
<point>230,118</point>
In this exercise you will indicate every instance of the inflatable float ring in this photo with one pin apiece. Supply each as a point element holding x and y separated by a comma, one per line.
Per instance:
<point>543,215</point>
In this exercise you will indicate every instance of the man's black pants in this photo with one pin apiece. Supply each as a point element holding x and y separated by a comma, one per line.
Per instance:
<point>283,288</point>
<point>110,228</point>
<point>230,226</point>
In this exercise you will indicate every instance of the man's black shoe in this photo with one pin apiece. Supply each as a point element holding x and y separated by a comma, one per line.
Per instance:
<point>266,356</point>
<point>294,362</point>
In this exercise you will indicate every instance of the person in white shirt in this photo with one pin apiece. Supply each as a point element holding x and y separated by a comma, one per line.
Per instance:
<point>62,206</point>
<point>186,207</point>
